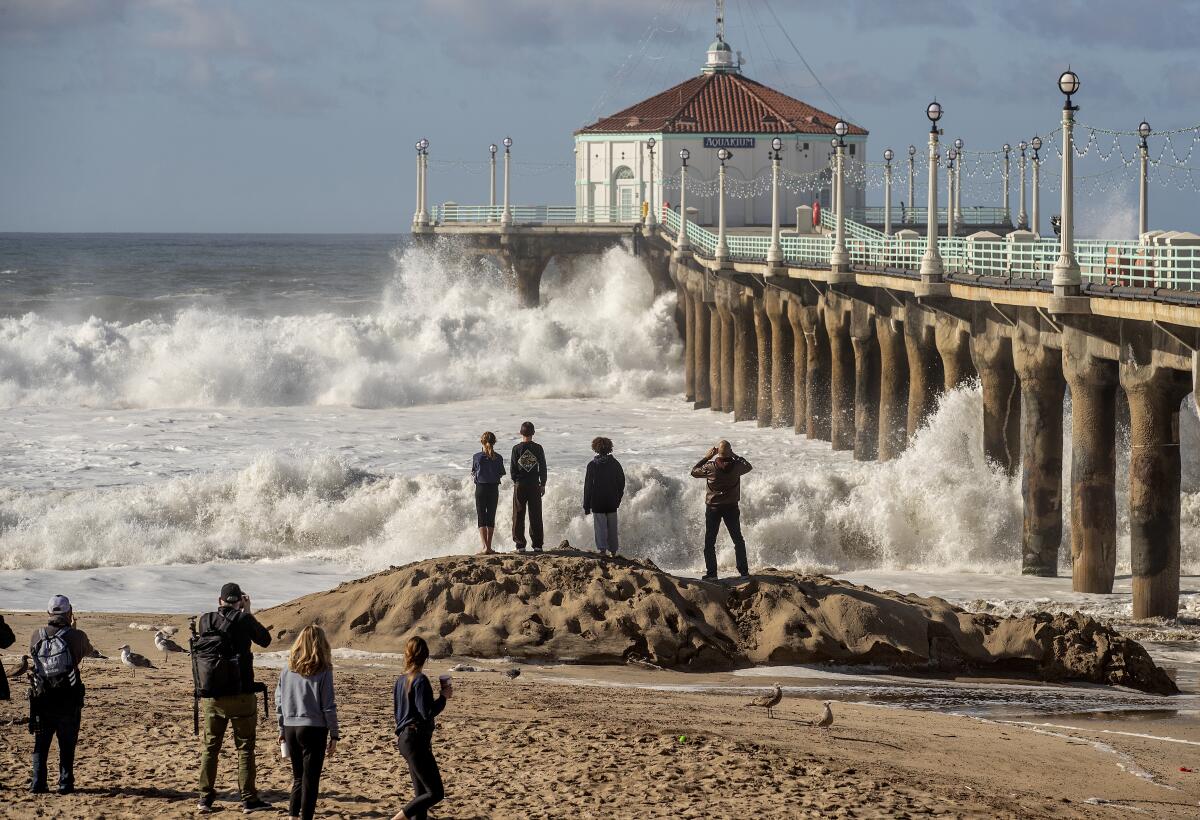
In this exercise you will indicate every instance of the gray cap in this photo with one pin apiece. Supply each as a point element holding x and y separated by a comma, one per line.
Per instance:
<point>59,605</point>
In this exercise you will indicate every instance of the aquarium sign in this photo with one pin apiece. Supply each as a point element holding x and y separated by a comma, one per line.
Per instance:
<point>729,142</point>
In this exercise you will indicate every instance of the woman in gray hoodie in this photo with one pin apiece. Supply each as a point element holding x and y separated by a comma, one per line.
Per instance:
<point>308,724</point>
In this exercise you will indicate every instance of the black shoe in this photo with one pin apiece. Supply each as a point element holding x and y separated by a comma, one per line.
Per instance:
<point>708,578</point>
<point>38,790</point>
<point>254,804</point>
<point>65,789</point>
<point>537,549</point>
<point>205,806</point>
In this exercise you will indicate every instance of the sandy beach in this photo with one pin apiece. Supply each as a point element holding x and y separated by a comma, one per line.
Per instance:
<point>606,741</point>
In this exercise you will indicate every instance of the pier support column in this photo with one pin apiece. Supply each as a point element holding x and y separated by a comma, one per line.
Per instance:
<point>799,367</point>
<point>841,374</point>
<point>866,383</point>
<point>992,351</point>
<point>727,353</point>
<point>954,346</point>
<point>782,370</point>
<point>817,382</point>
<point>1093,382</point>
<point>764,407</point>
<point>1154,475</point>
<point>526,271</point>
<point>924,367</point>
<point>700,346</point>
<point>715,348</point>
<point>1039,368</point>
<point>688,308</point>
<point>893,388</point>
<point>745,359</point>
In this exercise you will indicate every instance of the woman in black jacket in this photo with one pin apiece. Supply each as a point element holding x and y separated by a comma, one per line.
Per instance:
<point>603,488</point>
<point>415,708</point>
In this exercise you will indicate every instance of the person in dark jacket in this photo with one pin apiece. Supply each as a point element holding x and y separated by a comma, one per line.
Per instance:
<point>603,488</point>
<point>487,468</point>
<point>527,468</point>
<point>57,712</point>
<point>7,639</point>
<point>723,470</point>
<point>415,708</point>
<point>233,617</point>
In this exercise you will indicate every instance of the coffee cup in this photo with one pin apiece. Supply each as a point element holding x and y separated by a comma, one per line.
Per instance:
<point>444,680</point>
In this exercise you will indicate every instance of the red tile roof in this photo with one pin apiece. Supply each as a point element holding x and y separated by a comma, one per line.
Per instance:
<point>719,103</point>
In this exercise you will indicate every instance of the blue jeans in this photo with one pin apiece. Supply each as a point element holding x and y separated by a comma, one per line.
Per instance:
<point>66,728</point>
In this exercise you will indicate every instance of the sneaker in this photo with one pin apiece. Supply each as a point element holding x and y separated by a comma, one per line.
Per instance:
<point>205,806</point>
<point>708,578</point>
<point>66,789</point>
<point>254,804</point>
<point>38,790</point>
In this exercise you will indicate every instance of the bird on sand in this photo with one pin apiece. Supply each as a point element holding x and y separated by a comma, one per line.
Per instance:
<point>770,701</point>
<point>135,661</point>
<point>167,646</point>
<point>21,669</point>
<point>826,719</point>
<point>511,674</point>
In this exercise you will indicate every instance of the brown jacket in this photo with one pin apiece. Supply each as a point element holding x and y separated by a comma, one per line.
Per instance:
<point>724,479</point>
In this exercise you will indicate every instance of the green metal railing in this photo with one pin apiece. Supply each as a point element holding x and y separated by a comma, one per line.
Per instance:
<point>451,213</point>
<point>909,215</point>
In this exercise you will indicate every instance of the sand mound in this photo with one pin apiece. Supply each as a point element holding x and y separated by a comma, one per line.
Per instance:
<point>571,605</point>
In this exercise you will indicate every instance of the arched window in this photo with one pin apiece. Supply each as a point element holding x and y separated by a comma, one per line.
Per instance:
<point>623,172</point>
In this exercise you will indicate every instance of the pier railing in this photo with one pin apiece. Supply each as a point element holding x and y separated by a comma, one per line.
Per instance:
<point>912,216</point>
<point>451,213</point>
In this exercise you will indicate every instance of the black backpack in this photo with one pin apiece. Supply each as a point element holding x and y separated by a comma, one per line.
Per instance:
<point>55,674</point>
<point>216,667</point>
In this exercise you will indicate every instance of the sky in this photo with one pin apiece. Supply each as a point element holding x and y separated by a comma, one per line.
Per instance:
<point>300,115</point>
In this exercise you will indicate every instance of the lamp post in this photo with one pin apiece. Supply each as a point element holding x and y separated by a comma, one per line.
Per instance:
<point>833,192</point>
<point>1007,209</point>
<point>775,250</point>
<point>1036,210</point>
<point>1067,279</point>
<point>888,154</point>
<point>1143,188</point>
<point>912,182</point>
<point>682,243</point>
<point>506,216</point>
<point>492,190</point>
<point>958,148</point>
<point>931,262</point>
<point>423,158</point>
<point>1022,217</point>
<point>722,253</point>
<point>839,259</point>
<point>420,183</point>
<point>951,156</point>
<point>650,143</point>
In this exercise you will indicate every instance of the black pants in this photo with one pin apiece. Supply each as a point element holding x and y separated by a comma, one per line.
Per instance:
<point>487,496</point>
<point>417,747</point>
<point>306,748</point>
<point>731,514</point>
<point>66,728</point>
<point>527,496</point>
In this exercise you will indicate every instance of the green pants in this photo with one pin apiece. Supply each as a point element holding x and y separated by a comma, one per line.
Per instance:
<point>242,712</point>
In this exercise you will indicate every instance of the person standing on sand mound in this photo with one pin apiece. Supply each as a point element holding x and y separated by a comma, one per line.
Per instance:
<point>603,488</point>
<point>723,470</point>
<point>528,471</point>
<point>487,468</point>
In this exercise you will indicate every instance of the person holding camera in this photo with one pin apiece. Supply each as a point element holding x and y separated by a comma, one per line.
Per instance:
<point>722,469</point>
<point>223,666</point>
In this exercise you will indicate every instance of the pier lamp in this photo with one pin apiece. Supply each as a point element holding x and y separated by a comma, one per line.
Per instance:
<point>888,155</point>
<point>912,181</point>
<point>682,243</point>
<point>775,249</point>
<point>1022,217</point>
<point>424,179</point>
<point>1143,189</point>
<point>650,143</point>
<point>1007,210</point>
<point>1067,279</point>
<point>1036,208</point>
<point>839,258</point>
<point>958,147</point>
<point>722,253</point>
<point>931,262</point>
<point>506,215</point>
<point>951,156</point>
<point>492,195</point>
<point>420,184</point>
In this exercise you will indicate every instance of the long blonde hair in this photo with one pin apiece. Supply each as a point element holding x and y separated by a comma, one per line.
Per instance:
<point>416,652</point>
<point>488,440</point>
<point>310,653</point>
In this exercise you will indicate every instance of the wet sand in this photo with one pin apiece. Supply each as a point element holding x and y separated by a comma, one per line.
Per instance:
<point>598,742</point>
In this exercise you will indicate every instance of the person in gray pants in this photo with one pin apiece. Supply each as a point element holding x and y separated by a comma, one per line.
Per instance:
<point>603,488</point>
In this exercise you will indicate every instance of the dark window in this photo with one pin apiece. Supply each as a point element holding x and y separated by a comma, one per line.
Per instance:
<point>851,150</point>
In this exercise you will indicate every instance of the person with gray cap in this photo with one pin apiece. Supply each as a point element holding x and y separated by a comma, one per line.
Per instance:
<point>56,694</point>
<point>225,684</point>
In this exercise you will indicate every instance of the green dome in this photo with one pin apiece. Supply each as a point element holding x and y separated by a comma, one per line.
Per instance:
<point>719,45</point>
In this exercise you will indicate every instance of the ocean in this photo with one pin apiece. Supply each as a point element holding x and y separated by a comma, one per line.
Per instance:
<point>292,411</point>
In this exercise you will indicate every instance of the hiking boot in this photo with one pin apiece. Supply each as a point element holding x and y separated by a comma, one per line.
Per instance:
<point>205,806</point>
<point>254,804</point>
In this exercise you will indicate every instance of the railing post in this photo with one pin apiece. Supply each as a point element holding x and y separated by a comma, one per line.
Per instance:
<point>506,216</point>
<point>1067,279</point>
<point>775,251</point>
<point>931,262</point>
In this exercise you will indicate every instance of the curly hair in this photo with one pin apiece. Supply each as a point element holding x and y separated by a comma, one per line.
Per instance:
<point>602,445</point>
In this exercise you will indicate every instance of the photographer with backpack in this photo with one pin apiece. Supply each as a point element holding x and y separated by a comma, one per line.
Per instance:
<point>223,671</point>
<point>56,693</point>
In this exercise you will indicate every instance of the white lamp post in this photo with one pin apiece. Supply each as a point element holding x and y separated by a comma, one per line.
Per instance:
<point>420,183</point>
<point>951,155</point>
<point>912,182</point>
<point>1007,209</point>
<point>931,262</point>
<point>888,154</point>
<point>775,250</point>
<point>1143,188</point>
<point>723,154</point>
<point>958,169</point>
<point>682,243</point>
<point>650,220</point>
<point>506,216</point>
<point>423,158</point>
<point>492,193</point>
<point>1022,216</point>
<point>1067,279</point>
<point>1036,209</point>
<point>839,259</point>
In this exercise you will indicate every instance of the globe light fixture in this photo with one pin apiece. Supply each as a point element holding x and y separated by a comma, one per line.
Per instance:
<point>888,154</point>
<point>958,143</point>
<point>912,150</point>
<point>1068,83</point>
<point>507,143</point>
<point>1144,131</point>
<point>1036,145</point>
<point>685,155</point>
<point>934,112</point>
<point>724,154</point>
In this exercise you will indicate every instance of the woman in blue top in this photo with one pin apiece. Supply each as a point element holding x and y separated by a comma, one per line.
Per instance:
<point>487,468</point>
<point>415,709</point>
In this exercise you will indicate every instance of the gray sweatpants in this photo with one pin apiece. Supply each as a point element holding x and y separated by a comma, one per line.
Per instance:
<point>606,531</point>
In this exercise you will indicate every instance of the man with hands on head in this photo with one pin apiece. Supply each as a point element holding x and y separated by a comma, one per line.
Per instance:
<point>723,470</point>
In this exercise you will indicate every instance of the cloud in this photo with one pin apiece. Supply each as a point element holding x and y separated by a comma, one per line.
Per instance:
<point>925,14</point>
<point>1182,83</point>
<point>39,20</point>
<point>1147,24</point>
<point>208,29</point>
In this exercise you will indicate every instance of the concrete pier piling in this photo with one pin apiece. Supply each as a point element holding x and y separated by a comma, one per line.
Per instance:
<point>727,352</point>
<point>954,346</point>
<point>991,348</point>
<point>783,391</point>
<point>688,311</point>
<point>925,379</point>
<point>893,387</point>
<point>745,358</point>
<point>701,346</point>
<point>817,381</point>
<point>1039,368</point>
<point>866,383</point>
<point>799,367</point>
<point>841,373</point>
<point>715,330</point>
<point>764,404</point>
<point>1093,382</point>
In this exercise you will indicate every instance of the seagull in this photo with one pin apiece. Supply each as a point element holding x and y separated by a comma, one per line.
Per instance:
<point>22,668</point>
<point>511,674</point>
<point>167,646</point>
<point>826,717</point>
<point>133,660</point>
<point>768,702</point>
